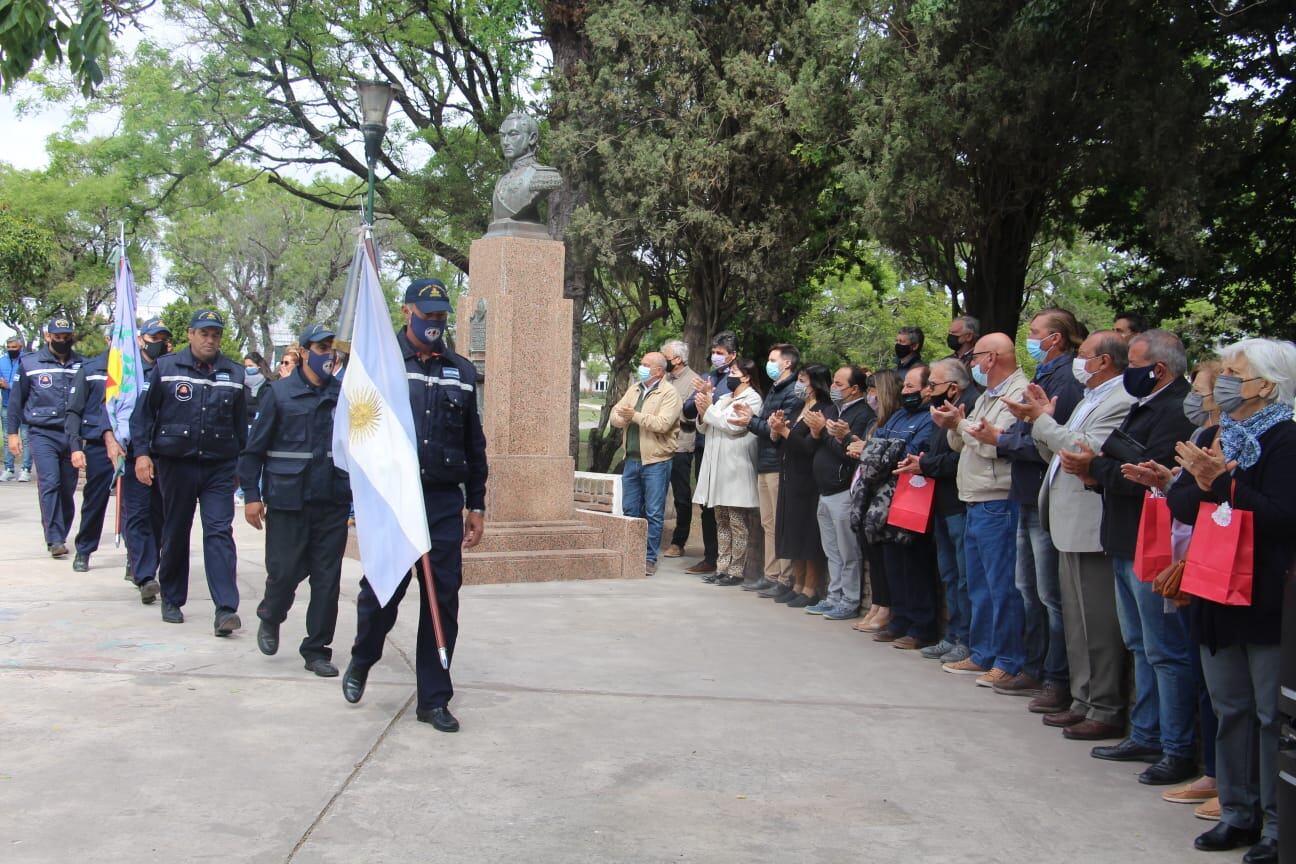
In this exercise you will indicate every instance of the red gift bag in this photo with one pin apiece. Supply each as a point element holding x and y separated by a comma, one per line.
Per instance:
<point>1152,554</point>
<point>1220,564</point>
<point>911,508</point>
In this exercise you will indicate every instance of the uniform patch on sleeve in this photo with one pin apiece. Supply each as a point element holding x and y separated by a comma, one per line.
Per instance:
<point>450,372</point>
<point>222,376</point>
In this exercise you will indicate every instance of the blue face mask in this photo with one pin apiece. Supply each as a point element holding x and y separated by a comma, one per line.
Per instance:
<point>980,377</point>
<point>251,372</point>
<point>320,364</point>
<point>644,373</point>
<point>772,370</point>
<point>1034,349</point>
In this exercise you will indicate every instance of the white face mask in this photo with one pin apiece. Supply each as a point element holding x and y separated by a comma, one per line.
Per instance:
<point>1080,372</point>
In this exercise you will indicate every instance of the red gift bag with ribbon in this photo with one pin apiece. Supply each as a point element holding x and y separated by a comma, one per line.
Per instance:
<point>911,507</point>
<point>1220,564</point>
<point>1152,553</point>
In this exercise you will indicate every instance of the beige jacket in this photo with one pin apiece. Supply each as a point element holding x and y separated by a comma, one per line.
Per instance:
<point>658,421</point>
<point>684,382</point>
<point>982,475</point>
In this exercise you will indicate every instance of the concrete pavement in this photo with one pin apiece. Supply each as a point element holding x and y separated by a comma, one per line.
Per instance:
<point>642,721</point>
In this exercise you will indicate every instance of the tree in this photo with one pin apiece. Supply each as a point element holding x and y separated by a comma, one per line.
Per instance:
<point>51,31</point>
<point>27,254</point>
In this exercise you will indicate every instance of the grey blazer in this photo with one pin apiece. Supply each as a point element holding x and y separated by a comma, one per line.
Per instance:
<point>1070,513</point>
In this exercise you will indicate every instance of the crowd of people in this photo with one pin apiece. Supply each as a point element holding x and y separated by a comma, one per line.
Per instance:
<point>995,523</point>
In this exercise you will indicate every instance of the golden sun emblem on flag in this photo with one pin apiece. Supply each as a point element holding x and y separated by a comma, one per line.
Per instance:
<point>365,414</point>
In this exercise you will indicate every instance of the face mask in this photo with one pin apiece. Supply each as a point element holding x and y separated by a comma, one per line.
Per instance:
<point>902,351</point>
<point>718,361</point>
<point>13,355</point>
<point>1035,350</point>
<point>1140,381</point>
<point>939,399</point>
<point>154,350</point>
<point>1193,410</point>
<point>320,364</point>
<point>980,377</point>
<point>250,372</point>
<point>911,401</point>
<point>429,332</point>
<point>801,390</point>
<point>772,370</point>
<point>643,372</point>
<point>1079,372</point>
<point>837,396</point>
<point>871,401</point>
<point>734,382</point>
<point>61,346</point>
<point>1228,393</point>
<point>953,342</point>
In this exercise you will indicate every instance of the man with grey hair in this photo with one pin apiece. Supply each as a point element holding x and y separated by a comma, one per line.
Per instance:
<point>964,331</point>
<point>8,382</point>
<point>1163,717</point>
<point>685,381</point>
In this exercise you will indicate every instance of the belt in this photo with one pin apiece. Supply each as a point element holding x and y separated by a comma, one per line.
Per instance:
<point>293,454</point>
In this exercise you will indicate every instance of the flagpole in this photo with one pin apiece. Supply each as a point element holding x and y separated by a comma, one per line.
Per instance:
<point>429,591</point>
<point>117,540</point>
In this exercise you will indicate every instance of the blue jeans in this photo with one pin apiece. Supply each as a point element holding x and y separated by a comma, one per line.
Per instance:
<point>643,495</point>
<point>1037,580</point>
<point>27,453</point>
<point>997,618</point>
<point>1165,692</point>
<point>953,570</point>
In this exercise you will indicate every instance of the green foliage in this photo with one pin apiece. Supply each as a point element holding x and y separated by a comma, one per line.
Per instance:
<point>1203,327</point>
<point>33,31</point>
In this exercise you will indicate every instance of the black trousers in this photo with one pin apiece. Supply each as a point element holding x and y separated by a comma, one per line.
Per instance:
<point>880,590</point>
<point>910,570</point>
<point>94,497</point>
<point>682,492</point>
<point>187,484</point>
<point>710,542</point>
<point>300,545</point>
<point>445,525</point>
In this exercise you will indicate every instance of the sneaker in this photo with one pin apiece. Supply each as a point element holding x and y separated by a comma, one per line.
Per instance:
<point>993,677</point>
<point>963,667</point>
<point>957,654</point>
<point>24,476</point>
<point>7,475</point>
<point>650,568</point>
<point>1210,810</point>
<point>821,607</point>
<point>842,613</point>
<point>937,651</point>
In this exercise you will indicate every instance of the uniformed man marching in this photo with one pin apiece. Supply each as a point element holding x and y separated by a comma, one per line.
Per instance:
<point>187,431</point>
<point>452,462</point>
<point>143,504</point>
<point>40,401</point>
<point>94,450</point>
<point>293,489</point>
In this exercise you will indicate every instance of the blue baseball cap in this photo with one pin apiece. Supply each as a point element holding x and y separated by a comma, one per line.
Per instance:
<point>203,318</point>
<point>428,296</point>
<point>154,326</point>
<point>314,333</point>
<point>59,325</point>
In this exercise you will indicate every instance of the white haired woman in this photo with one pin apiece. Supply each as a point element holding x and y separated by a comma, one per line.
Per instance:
<point>1251,462</point>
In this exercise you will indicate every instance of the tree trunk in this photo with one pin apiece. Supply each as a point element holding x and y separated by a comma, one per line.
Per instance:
<point>997,277</point>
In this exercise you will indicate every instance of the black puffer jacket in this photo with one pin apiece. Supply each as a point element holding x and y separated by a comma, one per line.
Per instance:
<point>781,397</point>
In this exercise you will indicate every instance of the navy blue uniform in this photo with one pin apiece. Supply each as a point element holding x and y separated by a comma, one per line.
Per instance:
<point>40,400</point>
<point>85,425</point>
<point>288,465</point>
<point>192,422</point>
<point>452,451</point>
<point>142,516</point>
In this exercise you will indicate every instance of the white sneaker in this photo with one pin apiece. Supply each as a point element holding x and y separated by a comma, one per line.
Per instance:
<point>7,475</point>
<point>24,476</point>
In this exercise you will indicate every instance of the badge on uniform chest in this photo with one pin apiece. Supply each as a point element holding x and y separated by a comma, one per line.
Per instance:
<point>183,391</point>
<point>45,381</point>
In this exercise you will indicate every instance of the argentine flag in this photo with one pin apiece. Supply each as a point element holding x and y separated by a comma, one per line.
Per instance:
<point>125,374</point>
<point>373,440</point>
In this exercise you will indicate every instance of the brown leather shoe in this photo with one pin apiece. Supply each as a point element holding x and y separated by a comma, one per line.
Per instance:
<point>885,636</point>
<point>1053,699</point>
<point>909,643</point>
<point>1063,719</point>
<point>701,567</point>
<point>1092,730</point>
<point>1020,684</point>
<point>672,551</point>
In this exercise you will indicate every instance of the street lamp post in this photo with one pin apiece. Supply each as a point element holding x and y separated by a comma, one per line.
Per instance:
<point>375,101</point>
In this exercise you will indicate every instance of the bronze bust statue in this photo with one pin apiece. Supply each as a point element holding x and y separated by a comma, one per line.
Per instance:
<point>515,206</point>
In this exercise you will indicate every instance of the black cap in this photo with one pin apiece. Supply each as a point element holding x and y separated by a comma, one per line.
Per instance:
<point>59,325</point>
<point>154,326</point>
<point>428,296</point>
<point>206,318</point>
<point>314,333</point>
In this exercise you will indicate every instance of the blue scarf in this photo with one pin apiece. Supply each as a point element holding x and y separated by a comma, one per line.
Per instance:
<point>1240,439</point>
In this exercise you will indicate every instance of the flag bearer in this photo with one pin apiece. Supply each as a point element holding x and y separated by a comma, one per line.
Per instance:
<point>187,432</point>
<point>143,513</point>
<point>293,489</point>
<point>451,451</point>
<point>40,401</point>
<point>94,450</point>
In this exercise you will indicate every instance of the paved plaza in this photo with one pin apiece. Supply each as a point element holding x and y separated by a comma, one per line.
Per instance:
<point>645,721</point>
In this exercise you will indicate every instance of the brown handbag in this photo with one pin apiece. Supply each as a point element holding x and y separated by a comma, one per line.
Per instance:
<point>1166,584</point>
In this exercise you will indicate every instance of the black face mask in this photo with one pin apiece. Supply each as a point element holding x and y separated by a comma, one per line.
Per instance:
<point>734,382</point>
<point>902,351</point>
<point>1140,381</point>
<point>953,342</point>
<point>154,350</point>
<point>13,355</point>
<point>61,347</point>
<point>939,399</point>
<point>911,401</point>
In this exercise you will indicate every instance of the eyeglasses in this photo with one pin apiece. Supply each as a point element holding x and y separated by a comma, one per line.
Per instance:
<point>976,356</point>
<point>285,363</point>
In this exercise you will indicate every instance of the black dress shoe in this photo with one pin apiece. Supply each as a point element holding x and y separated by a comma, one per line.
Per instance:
<point>762,584</point>
<point>771,589</point>
<point>1224,837</point>
<point>58,550</point>
<point>1127,751</point>
<point>729,581</point>
<point>1171,769</point>
<point>1264,852</point>
<point>227,621</point>
<point>321,667</point>
<point>788,597</point>
<point>800,601</point>
<point>149,591</point>
<point>81,563</point>
<point>440,718</point>
<point>711,578</point>
<point>268,639</point>
<point>171,613</point>
<point>784,594</point>
<point>353,682</point>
